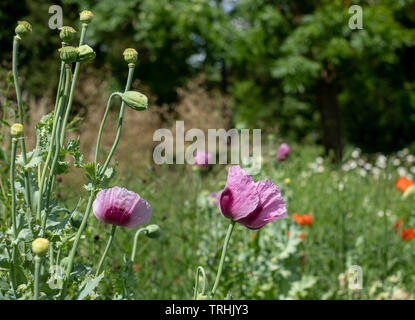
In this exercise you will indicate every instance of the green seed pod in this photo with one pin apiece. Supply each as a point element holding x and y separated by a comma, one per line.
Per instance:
<point>86,16</point>
<point>40,246</point>
<point>23,28</point>
<point>76,219</point>
<point>68,54</point>
<point>86,53</point>
<point>130,55</point>
<point>66,33</point>
<point>16,130</point>
<point>135,100</point>
<point>153,231</point>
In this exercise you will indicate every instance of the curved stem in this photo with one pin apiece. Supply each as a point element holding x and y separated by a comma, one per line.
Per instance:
<point>199,269</point>
<point>57,151</point>
<point>222,258</point>
<point>13,208</point>
<point>111,238</point>
<point>37,275</point>
<point>135,242</point>
<point>71,95</point>
<point>104,118</point>
<point>120,120</point>
<point>20,108</point>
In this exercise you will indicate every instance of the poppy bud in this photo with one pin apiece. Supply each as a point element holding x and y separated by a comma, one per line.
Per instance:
<point>85,53</point>
<point>86,16</point>
<point>23,28</point>
<point>135,100</point>
<point>40,246</point>
<point>130,55</point>
<point>68,54</point>
<point>76,219</point>
<point>66,33</point>
<point>153,231</point>
<point>16,130</point>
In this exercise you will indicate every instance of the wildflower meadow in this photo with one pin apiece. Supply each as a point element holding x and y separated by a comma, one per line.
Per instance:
<point>207,151</point>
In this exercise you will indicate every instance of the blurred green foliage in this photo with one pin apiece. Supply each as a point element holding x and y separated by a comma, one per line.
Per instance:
<point>292,67</point>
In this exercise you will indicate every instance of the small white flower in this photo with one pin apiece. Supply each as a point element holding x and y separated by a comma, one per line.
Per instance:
<point>356,153</point>
<point>402,171</point>
<point>396,162</point>
<point>368,166</point>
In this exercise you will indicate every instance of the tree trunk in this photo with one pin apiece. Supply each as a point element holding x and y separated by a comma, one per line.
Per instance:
<point>330,118</point>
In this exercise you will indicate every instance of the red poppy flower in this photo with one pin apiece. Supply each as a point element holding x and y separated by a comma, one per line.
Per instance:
<point>403,184</point>
<point>302,219</point>
<point>408,234</point>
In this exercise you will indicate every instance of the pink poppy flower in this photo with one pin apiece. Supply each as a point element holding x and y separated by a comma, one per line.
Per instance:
<point>252,204</point>
<point>202,158</point>
<point>121,207</point>
<point>283,151</point>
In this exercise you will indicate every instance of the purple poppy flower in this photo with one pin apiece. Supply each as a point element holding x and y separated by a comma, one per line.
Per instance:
<point>121,207</point>
<point>283,151</point>
<point>202,158</point>
<point>252,204</point>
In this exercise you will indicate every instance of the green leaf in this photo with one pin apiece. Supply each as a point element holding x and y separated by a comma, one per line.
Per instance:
<point>88,286</point>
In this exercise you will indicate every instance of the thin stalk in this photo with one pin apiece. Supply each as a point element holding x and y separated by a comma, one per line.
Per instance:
<point>78,234</point>
<point>222,258</point>
<point>135,242</point>
<point>58,105</point>
<point>14,222</point>
<point>201,270</point>
<point>57,151</point>
<point>16,41</point>
<point>120,120</point>
<point>71,95</point>
<point>37,275</point>
<point>110,239</point>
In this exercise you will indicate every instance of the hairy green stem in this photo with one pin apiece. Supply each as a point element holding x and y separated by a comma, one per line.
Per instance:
<point>78,234</point>
<point>222,258</point>
<point>199,270</point>
<point>120,120</point>
<point>71,95</point>
<point>144,230</point>
<point>14,220</point>
<point>16,42</point>
<point>37,275</point>
<point>57,151</point>
<point>110,239</point>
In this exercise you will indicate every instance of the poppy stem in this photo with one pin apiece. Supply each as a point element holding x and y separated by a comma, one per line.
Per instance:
<point>13,207</point>
<point>135,242</point>
<point>111,238</point>
<point>37,272</point>
<point>222,258</point>
<point>202,271</point>
<point>16,42</point>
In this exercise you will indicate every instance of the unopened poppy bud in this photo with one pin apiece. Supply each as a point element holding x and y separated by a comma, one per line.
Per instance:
<point>16,130</point>
<point>130,55</point>
<point>86,16</point>
<point>153,231</point>
<point>68,54</point>
<point>76,219</point>
<point>135,100</point>
<point>86,53</point>
<point>23,28</point>
<point>40,246</point>
<point>67,33</point>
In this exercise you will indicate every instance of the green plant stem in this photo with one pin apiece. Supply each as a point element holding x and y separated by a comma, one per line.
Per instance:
<point>104,118</point>
<point>201,270</point>
<point>222,258</point>
<point>79,233</point>
<point>71,95</point>
<point>37,275</point>
<point>141,230</point>
<point>110,239</point>
<point>49,157</point>
<point>16,41</point>
<point>120,120</point>
<point>57,151</point>
<point>13,207</point>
